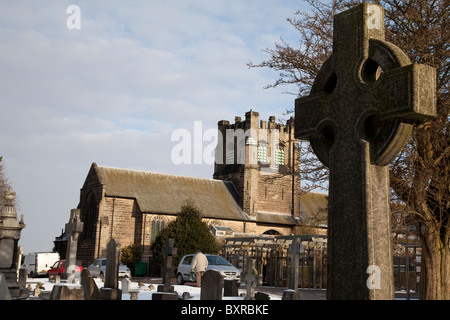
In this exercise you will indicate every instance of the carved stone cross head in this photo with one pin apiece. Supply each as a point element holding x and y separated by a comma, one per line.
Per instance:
<point>368,90</point>
<point>169,250</point>
<point>75,226</point>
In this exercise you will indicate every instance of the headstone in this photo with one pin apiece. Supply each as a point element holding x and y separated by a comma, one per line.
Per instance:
<point>37,289</point>
<point>261,296</point>
<point>186,296</point>
<point>250,276</point>
<point>45,295</point>
<point>212,286</point>
<point>110,290</point>
<point>316,278</point>
<point>165,291</point>
<point>164,288</point>
<point>165,296</point>
<point>89,286</point>
<point>10,229</point>
<point>294,252</point>
<point>230,288</point>
<point>24,292</point>
<point>67,292</point>
<point>125,285</point>
<point>133,295</point>
<point>290,294</point>
<point>169,252</point>
<point>22,278</point>
<point>73,230</point>
<point>358,119</point>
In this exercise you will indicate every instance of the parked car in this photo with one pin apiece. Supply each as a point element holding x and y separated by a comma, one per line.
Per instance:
<point>59,268</point>
<point>216,263</point>
<point>98,269</point>
<point>38,263</point>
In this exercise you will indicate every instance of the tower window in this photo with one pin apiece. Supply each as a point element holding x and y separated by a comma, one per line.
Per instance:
<point>262,153</point>
<point>230,157</point>
<point>279,156</point>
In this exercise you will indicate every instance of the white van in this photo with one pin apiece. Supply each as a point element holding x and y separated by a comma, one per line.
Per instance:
<point>38,263</point>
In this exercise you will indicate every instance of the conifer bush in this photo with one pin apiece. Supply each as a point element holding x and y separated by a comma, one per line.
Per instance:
<point>190,234</point>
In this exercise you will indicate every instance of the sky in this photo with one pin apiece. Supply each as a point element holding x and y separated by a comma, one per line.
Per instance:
<point>109,83</point>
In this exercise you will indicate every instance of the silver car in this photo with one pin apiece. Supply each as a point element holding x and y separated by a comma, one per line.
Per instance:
<point>216,263</point>
<point>98,269</point>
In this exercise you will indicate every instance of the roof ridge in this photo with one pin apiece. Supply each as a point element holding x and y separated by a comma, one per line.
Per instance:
<point>160,174</point>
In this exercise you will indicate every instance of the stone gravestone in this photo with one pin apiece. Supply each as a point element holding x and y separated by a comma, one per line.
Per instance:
<point>230,288</point>
<point>250,276</point>
<point>316,267</point>
<point>73,230</point>
<point>166,290</point>
<point>24,292</point>
<point>169,252</point>
<point>358,117</point>
<point>90,288</point>
<point>66,292</point>
<point>212,285</point>
<point>125,285</point>
<point>10,229</point>
<point>110,290</point>
<point>294,251</point>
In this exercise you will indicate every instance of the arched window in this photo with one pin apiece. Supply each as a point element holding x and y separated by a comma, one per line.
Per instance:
<point>156,227</point>
<point>89,217</point>
<point>262,153</point>
<point>272,232</point>
<point>279,156</point>
<point>230,156</point>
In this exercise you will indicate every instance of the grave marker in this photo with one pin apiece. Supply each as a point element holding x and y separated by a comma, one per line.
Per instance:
<point>169,252</point>
<point>250,276</point>
<point>73,230</point>
<point>294,251</point>
<point>90,288</point>
<point>166,291</point>
<point>10,229</point>
<point>358,117</point>
<point>212,286</point>
<point>111,290</point>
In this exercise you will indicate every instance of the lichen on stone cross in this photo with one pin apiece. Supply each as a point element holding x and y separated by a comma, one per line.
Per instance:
<point>358,117</point>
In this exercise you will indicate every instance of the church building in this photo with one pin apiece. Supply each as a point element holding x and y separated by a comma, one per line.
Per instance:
<point>255,190</point>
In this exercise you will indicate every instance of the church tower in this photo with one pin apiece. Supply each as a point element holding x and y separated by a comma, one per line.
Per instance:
<point>261,158</point>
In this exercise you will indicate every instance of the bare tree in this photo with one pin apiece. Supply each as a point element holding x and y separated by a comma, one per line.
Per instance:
<point>4,185</point>
<point>420,175</point>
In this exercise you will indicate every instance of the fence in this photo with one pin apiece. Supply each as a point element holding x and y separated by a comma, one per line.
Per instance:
<point>407,269</point>
<point>273,258</point>
<point>273,261</point>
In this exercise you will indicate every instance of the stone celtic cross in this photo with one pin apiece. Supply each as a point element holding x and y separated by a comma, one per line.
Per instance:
<point>358,117</point>
<point>73,230</point>
<point>169,251</point>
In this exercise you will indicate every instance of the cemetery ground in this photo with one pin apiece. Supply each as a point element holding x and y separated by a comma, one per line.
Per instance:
<point>146,286</point>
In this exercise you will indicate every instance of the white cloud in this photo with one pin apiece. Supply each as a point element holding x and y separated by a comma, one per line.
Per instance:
<point>113,91</point>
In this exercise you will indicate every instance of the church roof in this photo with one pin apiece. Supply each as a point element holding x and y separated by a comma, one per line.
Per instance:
<point>314,209</point>
<point>166,193</point>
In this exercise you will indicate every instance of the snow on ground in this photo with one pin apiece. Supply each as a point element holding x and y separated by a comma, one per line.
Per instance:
<point>145,291</point>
